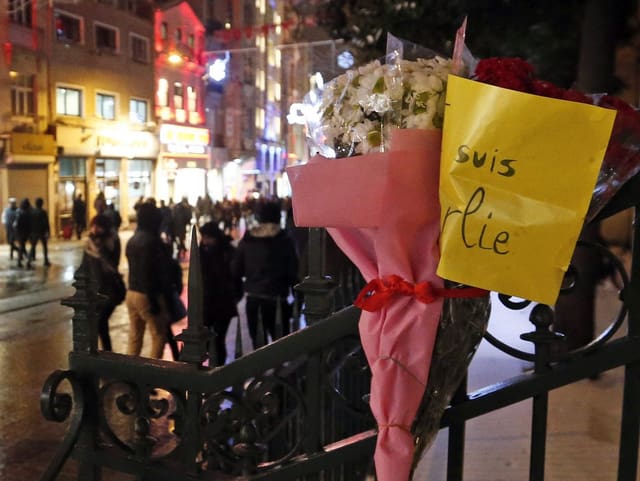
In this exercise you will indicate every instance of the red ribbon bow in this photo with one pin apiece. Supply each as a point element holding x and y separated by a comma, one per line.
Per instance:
<point>378,292</point>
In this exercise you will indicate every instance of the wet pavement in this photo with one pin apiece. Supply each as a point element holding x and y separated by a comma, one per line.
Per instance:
<point>35,338</point>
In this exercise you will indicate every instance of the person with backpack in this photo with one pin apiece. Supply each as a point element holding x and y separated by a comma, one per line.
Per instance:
<point>102,250</point>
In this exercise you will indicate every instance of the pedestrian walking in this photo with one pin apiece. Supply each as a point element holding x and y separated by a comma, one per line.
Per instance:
<point>8,218</point>
<point>114,216</point>
<point>39,231</point>
<point>182,213</point>
<point>221,292</point>
<point>103,252</point>
<point>176,308</point>
<point>79,215</point>
<point>267,262</point>
<point>100,203</point>
<point>22,226</point>
<point>149,282</point>
<point>166,225</point>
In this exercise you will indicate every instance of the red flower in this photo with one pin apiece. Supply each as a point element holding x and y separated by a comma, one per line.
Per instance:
<point>622,157</point>
<point>546,89</point>
<point>509,73</point>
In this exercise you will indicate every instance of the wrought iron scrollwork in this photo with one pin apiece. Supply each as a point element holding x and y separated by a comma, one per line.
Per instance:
<point>58,406</point>
<point>542,322</point>
<point>250,430</point>
<point>140,419</point>
<point>347,375</point>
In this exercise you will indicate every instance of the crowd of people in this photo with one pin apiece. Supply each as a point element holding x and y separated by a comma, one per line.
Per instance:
<point>262,265</point>
<point>246,249</point>
<point>26,224</point>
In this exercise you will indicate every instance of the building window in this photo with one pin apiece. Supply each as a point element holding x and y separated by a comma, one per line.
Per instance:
<point>71,167</point>
<point>106,106</point>
<point>22,101</point>
<point>192,98</point>
<point>164,30</point>
<point>178,95</point>
<point>68,27</point>
<point>139,48</point>
<point>163,93</point>
<point>178,35</point>
<point>191,41</point>
<point>20,12</point>
<point>138,110</point>
<point>69,101</point>
<point>106,38</point>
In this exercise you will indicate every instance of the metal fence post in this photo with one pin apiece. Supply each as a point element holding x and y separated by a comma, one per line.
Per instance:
<point>629,435</point>
<point>85,338</point>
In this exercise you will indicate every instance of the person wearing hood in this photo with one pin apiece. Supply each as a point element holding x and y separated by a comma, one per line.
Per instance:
<point>221,292</point>
<point>267,262</point>
<point>149,282</point>
<point>103,249</point>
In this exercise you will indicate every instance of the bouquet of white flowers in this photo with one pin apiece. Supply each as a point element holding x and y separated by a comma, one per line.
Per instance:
<point>384,122</point>
<point>359,107</point>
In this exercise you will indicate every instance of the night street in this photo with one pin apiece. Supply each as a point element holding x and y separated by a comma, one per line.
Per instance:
<point>35,339</point>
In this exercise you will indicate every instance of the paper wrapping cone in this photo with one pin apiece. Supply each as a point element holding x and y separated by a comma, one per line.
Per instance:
<point>383,211</point>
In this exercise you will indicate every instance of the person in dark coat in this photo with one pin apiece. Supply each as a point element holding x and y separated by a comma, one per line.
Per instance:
<point>79,215</point>
<point>22,226</point>
<point>40,231</point>
<point>182,213</point>
<point>166,226</point>
<point>114,216</point>
<point>221,292</point>
<point>149,282</point>
<point>8,218</point>
<point>267,262</point>
<point>103,249</point>
<point>176,308</point>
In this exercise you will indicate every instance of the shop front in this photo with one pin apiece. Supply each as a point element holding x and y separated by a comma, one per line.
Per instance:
<point>28,169</point>
<point>125,165</point>
<point>115,162</point>
<point>184,162</point>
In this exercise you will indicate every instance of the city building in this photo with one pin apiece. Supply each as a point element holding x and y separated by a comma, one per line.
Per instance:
<point>81,95</point>
<point>184,159</point>
<point>27,147</point>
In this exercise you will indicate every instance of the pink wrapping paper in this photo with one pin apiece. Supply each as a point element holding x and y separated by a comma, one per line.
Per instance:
<point>385,216</point>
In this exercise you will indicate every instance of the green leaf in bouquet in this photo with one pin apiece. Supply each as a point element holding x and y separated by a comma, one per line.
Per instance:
<point>379,87</point>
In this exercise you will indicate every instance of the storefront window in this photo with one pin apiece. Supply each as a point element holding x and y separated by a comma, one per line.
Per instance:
<point>72,181</point>
<point>139,176</point>
<point>108,180</point>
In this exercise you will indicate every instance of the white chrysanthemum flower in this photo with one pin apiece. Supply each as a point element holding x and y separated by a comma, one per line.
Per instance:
<point>405,94</point>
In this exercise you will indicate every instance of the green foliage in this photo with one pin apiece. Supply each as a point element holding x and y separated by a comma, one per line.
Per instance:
<point>546,33</point>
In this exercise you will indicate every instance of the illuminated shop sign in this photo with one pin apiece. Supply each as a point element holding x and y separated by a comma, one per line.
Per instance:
<point>178,139</point>
<point>126,143</point>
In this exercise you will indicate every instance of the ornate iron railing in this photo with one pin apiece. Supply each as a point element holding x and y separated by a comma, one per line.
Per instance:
<point>296,408</point>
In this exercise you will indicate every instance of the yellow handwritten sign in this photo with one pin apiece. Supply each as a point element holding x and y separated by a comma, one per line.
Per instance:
<point>516,177</point>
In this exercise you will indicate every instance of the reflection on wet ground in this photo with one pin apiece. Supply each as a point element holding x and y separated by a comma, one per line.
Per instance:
<point>64,257</point>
